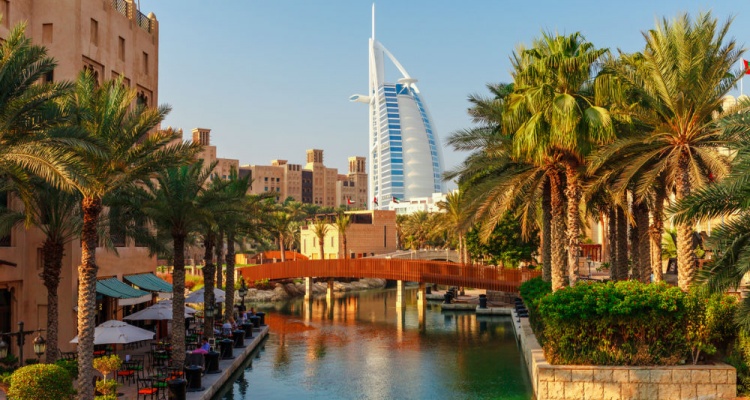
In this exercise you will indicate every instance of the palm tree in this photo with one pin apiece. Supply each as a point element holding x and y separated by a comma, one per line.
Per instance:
<point>455,214</point>
<point>679,80</point>
<point>32,136</point>
<point>129,151</point>
<point>554,117</point>
<point>58,215</point>
<point>342,223</point>
<point>320,229</point>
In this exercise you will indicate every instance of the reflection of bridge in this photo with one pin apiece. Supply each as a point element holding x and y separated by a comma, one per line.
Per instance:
<point>439,272</point>
<point>434,255</point>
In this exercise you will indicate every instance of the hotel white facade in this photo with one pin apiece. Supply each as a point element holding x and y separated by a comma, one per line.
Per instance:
<point>406,158</point>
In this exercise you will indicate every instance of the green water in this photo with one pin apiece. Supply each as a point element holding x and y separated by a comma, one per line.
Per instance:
<point>363,347</point>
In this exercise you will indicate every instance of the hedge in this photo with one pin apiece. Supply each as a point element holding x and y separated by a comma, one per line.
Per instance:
<point>41,381</point>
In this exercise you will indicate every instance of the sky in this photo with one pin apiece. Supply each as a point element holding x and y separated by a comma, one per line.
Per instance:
<point>272,79</point>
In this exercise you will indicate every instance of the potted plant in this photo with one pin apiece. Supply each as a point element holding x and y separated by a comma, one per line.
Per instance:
<point>106,365</point>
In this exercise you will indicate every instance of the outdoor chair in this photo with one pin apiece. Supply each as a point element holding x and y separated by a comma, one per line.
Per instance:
<point>147,387</point>
<point>126,374</point>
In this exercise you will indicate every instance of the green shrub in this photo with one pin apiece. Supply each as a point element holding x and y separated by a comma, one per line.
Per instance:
<point>69,365</point>
<point>623,323</point>
<point>709,321</point>
<point>41,381</point>
<point>107,387</point>
<point>738,356</point>
<point>532,292</point>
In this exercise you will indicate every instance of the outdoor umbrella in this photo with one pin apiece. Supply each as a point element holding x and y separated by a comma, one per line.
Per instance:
<point>157,312</point>
<point>168,303</point>
<point>197,296</point>
<point>114,332</point>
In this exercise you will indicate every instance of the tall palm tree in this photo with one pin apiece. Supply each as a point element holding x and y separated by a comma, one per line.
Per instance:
<point>455,215</point>
<point>342,223</point>
<point>33,140</point>
<point>679,80</point>
<point>554,115</point>
<point>58,215</point>
<point>130,151</point>
<point>320,229</point>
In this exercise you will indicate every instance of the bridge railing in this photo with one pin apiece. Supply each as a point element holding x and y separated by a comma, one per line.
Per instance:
<point>444,273</point>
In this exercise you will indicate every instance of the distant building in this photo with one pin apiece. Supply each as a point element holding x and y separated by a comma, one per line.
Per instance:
<point>370,232</point>
<point>111,39</point>
<point>313,183</point>
<point>224,166</point>
<point>405,156</point>
<point>414,204</point>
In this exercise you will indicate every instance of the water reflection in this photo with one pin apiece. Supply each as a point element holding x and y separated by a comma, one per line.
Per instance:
<point>362,346</point>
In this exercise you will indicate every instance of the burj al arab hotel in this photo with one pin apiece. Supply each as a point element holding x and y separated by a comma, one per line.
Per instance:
<point>405,155</point>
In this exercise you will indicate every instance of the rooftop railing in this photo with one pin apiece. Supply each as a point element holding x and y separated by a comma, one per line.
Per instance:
<point>126,8</point>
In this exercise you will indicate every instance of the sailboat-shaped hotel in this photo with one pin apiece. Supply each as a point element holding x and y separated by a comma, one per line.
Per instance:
<point>405,155</point>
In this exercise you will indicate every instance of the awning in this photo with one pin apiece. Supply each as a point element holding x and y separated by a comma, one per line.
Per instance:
<point>113,287</point>
<point>149,282</point>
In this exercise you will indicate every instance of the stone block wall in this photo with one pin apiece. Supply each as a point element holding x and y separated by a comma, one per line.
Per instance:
<point>614,383</point>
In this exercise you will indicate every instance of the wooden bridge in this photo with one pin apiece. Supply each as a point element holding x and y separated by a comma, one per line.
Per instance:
<point>439,272</point>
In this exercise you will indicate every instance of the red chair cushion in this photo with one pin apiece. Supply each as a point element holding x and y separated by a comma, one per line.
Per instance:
<point>125,373</point>
<point>147,391</point>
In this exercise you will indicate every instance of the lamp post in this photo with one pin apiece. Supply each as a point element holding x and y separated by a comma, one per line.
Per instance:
<point>243,293</point>
<point>208,312</point>
<point>40,345</point>
<point>20,341</point>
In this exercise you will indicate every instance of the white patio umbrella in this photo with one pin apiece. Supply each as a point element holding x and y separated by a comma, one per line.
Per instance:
<point>114,332</point>
<point>197,296</point>
<point>168,303</point>
<point>156,312</point>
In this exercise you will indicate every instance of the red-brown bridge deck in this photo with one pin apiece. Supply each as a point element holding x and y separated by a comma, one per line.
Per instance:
<point>439,272</point>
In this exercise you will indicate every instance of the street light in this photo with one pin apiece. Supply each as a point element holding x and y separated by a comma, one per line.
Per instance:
<point>40,345</point>
<point>20,341</point>
<point>243,292</point>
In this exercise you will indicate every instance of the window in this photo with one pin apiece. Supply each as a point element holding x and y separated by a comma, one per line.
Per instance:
<point>144,67</point>
<point>39,258</point>
<point>47,33</point>
<point>94,32</point>
<point>4,241</point>
<point>49,77</point>
<point>121,48</point>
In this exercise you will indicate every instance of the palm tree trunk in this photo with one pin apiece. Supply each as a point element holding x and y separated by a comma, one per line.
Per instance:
<point>685,250</point>
<point>229,302</point>
<point>634,253</point>
<point>53,250</point>
<point>218,245</point>
<point>546,232</point>
<point>178,302</point>
<point>282,250</point>
<point>612,241</point>
<point>656,232</point>
<point>573,194</point>
<point>622,246</point>
<point>209,282</point>
<point>557,232</point>
<point>87,271</point>
<point>644,244</point>
<point>321,242</point>
<point>346,252</point>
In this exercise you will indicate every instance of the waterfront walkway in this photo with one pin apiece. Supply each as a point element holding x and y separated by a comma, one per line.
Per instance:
<point>211,382</point>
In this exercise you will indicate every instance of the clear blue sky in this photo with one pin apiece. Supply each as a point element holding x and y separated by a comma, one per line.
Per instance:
<point>272,78</point>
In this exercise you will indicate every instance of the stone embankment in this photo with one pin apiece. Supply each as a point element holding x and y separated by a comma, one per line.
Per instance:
<point>286,291</point>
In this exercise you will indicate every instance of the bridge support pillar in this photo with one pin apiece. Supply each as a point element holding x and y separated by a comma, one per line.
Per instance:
<point>400,294</point>
<point>308,288</point>
<point>329,291</point>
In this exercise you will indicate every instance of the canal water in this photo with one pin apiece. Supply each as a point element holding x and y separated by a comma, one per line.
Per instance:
<point>361,346</point>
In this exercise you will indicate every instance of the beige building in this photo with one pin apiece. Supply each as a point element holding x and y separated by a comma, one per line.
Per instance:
<point>370,232</point>
<point>314,183</point>
<point>111,38</point>
<point>224,166</point>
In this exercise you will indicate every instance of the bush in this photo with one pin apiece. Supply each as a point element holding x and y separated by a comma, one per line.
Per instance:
<point>41,381</point>
<point>107,364</point>
<point>709,321</point>
<point>623,323</point>
<point>69,365</point>
<point>532,291</point>
<point>107,387</point>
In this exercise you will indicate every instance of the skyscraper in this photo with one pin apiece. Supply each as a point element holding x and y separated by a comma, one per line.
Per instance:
<point>406,159</point>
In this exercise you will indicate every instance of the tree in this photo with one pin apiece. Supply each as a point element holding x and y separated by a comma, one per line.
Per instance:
<point>554,117</point>
<point>58,215</point>
<point>454,217</point>
<point>320,229</point>
<point>506,246</point>
<point>128,151</point>
<point>342,224</point>
<point>683,74</point>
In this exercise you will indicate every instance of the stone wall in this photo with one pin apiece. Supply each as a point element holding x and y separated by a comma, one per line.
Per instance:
<point>637,383</point>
